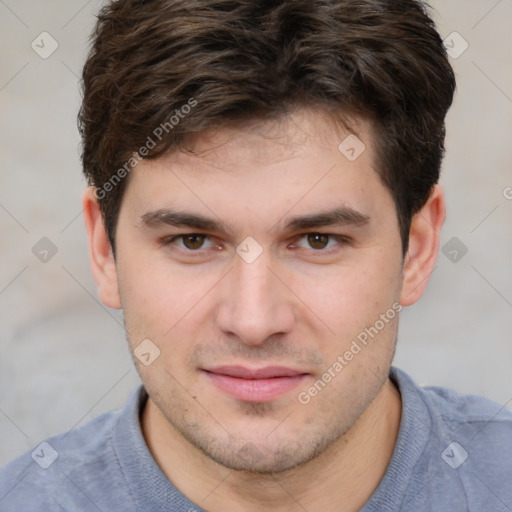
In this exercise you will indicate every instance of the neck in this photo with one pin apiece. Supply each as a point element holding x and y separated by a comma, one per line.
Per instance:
<point>342,478</point>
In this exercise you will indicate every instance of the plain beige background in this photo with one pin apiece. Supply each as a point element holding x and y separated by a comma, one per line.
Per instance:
<point>64,359</point>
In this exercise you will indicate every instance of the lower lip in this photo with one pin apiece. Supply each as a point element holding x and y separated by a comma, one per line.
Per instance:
<point>255,390</point>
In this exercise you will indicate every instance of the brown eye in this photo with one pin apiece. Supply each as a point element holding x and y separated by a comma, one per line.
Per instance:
<point>318,240</point>
<point>193,242</point>
<point>188,243</point>
<point>322,243</point>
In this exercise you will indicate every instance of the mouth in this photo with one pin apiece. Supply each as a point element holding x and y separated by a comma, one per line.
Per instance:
<point>255,385</point>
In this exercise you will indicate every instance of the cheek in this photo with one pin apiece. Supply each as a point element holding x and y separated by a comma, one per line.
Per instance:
<point>145,295</point>
<point>348,301</point>
<point>159,300</point>
<point>350,292</point>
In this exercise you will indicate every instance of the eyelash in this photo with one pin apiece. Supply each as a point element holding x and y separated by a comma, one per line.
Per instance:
<point>341,239</point>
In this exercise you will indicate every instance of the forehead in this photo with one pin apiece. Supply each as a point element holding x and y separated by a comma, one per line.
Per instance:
<point>303,162</point>
<point>301,132</point>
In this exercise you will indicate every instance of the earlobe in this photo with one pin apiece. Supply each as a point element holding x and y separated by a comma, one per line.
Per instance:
<point>424,239</point>
<point>103,264</point>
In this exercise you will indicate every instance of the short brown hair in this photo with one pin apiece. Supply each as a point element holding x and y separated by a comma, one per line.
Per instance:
<point>205,63</point>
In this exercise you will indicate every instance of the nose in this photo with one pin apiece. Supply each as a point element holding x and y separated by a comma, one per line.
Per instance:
<point>255,303</point>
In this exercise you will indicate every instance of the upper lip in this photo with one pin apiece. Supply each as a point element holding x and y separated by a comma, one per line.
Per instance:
<point>260,373</point>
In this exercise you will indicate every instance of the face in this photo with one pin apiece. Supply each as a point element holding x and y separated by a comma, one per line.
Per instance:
<point>256,267</point>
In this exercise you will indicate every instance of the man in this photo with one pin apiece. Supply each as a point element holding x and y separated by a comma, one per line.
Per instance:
<point>263,203</point>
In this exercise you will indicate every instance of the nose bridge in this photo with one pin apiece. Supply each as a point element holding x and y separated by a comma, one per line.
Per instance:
<point>254,283</point>
<point>255,306</point>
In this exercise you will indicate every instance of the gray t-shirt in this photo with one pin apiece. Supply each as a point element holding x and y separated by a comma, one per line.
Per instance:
<point>453,453</point>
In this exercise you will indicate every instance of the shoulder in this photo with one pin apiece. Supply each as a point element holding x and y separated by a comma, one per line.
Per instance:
<point>467,460</point>
<point>65,472</point>
<point>459,413</point>
<point>468,416</point>
<point>478,436</point>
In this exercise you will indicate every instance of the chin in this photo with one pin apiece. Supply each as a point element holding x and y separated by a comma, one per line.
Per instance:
<point>261,456</point>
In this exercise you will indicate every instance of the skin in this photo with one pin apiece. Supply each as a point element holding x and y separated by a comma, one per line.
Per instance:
<point>298,305</point>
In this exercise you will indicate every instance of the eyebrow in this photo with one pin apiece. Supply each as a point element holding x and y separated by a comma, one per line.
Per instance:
<point>342,216</point>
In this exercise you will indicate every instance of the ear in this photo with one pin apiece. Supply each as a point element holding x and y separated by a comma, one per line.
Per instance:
<point>424,239</point>
<point>103,264</point>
